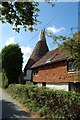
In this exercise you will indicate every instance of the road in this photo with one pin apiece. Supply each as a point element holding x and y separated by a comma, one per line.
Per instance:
<point>9,108</point>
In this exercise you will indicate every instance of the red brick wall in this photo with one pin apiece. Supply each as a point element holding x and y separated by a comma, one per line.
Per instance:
<point>56,72</point>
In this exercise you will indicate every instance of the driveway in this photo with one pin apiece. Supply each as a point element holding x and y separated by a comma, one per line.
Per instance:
<point>10,109</point>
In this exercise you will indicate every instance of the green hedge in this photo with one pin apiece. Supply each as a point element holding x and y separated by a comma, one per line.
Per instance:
<point>4,80</point>
<point>48,103</point>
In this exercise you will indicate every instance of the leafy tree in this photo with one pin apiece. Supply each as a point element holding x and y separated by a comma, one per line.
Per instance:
<point>12,62</point>
<point>71,44</point>
<point>20,14</point>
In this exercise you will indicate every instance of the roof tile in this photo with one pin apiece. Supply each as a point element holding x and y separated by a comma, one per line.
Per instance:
<point>55,55</point>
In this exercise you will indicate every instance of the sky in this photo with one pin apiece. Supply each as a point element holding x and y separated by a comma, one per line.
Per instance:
<point>58,20</point>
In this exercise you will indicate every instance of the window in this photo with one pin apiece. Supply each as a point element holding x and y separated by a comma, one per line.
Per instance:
<point>79,67</point>
<point>35,72</point>
<point>71,67</point>
<point>51,57</point>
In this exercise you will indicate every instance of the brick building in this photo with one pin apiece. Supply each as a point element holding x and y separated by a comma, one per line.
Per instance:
<point>55,70</point>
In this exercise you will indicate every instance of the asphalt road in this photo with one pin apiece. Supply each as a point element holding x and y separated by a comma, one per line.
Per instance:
<point>9,109</point>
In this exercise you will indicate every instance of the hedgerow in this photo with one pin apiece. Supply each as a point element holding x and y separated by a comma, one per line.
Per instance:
<point>48,103</point>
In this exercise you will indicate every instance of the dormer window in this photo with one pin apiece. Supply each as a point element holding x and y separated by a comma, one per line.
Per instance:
<point>71,67</point>
<point>51,57</point>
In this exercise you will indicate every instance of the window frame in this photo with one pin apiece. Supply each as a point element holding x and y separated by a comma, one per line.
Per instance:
<point>70,68</point>
<point>35,72</point>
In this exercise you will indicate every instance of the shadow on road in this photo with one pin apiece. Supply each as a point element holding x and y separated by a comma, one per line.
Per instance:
<point>10,110</point>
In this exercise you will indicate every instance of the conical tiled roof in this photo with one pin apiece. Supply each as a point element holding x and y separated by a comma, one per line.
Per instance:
<point>40,50</point>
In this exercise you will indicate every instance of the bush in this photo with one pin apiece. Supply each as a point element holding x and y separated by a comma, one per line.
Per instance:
<point>48,103</point>
<point>12,64</point>
<point>4,80</point>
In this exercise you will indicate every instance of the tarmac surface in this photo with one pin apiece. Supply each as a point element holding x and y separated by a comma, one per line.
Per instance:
<point>10,110</point>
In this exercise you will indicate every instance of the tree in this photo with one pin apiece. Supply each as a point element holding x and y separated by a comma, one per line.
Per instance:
<point>12,62</point>
<point>24,14</point>
<point>71,44</point>
<point>19,14</point>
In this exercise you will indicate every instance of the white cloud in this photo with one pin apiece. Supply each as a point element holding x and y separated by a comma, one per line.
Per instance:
<point>26,54</point>
<point>54,30</point>
<point>10,41</point>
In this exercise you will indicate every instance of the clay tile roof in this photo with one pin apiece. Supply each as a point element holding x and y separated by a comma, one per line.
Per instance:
<point>50,57</point>
<point>39,51</point>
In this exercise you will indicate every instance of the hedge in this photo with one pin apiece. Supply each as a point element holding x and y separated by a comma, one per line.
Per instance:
<point>48,103</point>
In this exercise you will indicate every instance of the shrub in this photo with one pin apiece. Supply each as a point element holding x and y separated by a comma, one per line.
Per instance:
<point>12,64</point>
<point>48,103</point>
<point>4,80</point>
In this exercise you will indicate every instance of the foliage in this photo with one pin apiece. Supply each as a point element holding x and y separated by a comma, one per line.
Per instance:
<point>12,62</point>
<point>71,44</point>
<point>48,103</point>
<point>20,14</point>
<point>4,80</point>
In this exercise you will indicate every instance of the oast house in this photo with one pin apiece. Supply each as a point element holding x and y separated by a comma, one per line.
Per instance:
<point>52,69</point>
